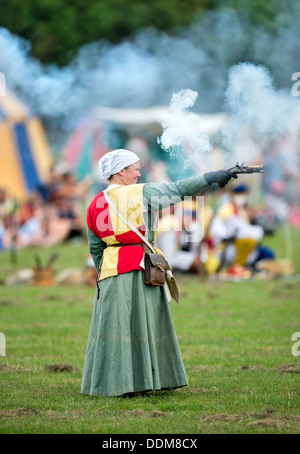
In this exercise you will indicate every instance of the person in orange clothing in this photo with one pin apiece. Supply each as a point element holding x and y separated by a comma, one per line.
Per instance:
<point>237,240</point>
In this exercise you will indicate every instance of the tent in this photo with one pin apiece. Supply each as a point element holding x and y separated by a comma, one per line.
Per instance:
<point>25,157</point>
<point>84,148</point>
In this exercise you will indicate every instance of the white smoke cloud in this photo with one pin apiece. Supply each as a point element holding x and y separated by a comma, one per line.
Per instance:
<point>259,112</point>
<point>148,68</point>
<point>48,90</point>
<point>182,132</point>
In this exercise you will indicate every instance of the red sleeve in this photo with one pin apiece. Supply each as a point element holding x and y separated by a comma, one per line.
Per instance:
<point>98,218</point>
<point>89,217</point>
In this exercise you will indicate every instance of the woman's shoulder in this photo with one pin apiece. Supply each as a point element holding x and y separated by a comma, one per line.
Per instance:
<point>130,190</point>
<point>95,200</point>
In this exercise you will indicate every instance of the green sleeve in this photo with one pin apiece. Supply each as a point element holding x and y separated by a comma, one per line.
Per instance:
<point>96,247</point>
<point>163,195</point>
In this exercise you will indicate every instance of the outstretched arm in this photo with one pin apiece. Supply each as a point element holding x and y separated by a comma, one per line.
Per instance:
<point>162,195</point>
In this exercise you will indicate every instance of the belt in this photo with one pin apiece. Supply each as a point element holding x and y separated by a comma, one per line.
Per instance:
<point>129,244</point>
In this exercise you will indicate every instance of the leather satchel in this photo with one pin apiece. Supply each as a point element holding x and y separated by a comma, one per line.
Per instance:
<point>155,268</point>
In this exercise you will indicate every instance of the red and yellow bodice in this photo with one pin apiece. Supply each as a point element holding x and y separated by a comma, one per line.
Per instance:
<point>104,223</point>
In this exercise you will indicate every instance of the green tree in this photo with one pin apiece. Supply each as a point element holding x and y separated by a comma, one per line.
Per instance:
<point>56,29</point>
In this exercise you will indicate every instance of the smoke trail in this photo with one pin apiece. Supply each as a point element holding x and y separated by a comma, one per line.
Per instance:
<point>49,91</point>
<point>182,133</point>
<point>259,113</point>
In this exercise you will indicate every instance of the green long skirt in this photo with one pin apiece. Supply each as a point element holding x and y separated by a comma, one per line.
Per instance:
<point>132,344</point>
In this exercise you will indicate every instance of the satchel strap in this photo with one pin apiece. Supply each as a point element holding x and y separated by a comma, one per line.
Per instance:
<point>112,205</point>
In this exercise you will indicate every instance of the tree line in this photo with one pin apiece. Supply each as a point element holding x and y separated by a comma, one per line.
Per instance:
<point>56,29</point>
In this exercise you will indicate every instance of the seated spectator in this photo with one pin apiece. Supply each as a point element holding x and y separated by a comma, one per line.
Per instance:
<point>67,198</point>
<point>67,210</point>
<point>237,243</point>
<point>52,185</point>
<point>72,189</point>
<point>25,230</point>
<point>179,237</point>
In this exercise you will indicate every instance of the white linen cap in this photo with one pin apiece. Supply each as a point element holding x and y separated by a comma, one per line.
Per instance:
<point>115,161</point>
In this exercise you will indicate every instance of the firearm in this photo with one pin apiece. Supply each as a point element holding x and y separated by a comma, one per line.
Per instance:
<point>242,169</point>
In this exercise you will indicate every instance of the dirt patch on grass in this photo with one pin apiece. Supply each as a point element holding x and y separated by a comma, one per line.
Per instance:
<point>239,417</point>
<point>267,422</point>
<point>248,367</point>
<point>266,418</point>
<point>223,417</point>
<point>145,414</point>
<point>262,415</point>
<point>280,421</point>
<point>9,368</point>
<point>19,412</point>
<point>7,302</point>
<point>290,368</point>
<point>212,295</point>
<point>60,368</point>
<point>282,295</point>
<point>199,368</point>
<point>51,297</point>
<point>53,415</point>
<point>197,390</point>
<point>287,291</point>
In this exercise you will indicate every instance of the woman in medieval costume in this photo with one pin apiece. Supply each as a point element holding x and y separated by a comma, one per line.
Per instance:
<point>132,345</point>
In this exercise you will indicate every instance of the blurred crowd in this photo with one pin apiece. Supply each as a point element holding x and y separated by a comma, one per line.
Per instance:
<point>49,216</point>
<point>198,238</point>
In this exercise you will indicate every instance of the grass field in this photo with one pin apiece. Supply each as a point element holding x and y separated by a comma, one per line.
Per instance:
<point>235,338</point>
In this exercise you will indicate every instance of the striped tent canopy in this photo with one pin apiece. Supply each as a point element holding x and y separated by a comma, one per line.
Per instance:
<point>25,157</point>
<point>84,149</point>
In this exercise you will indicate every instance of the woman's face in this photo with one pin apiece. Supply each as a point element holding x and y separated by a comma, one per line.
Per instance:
<point>131,174</point>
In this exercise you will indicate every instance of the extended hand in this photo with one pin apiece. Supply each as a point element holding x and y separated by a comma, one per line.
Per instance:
<point>221,177</point>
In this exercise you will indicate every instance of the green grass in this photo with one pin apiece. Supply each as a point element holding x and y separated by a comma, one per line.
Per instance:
<point>235,339</point>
